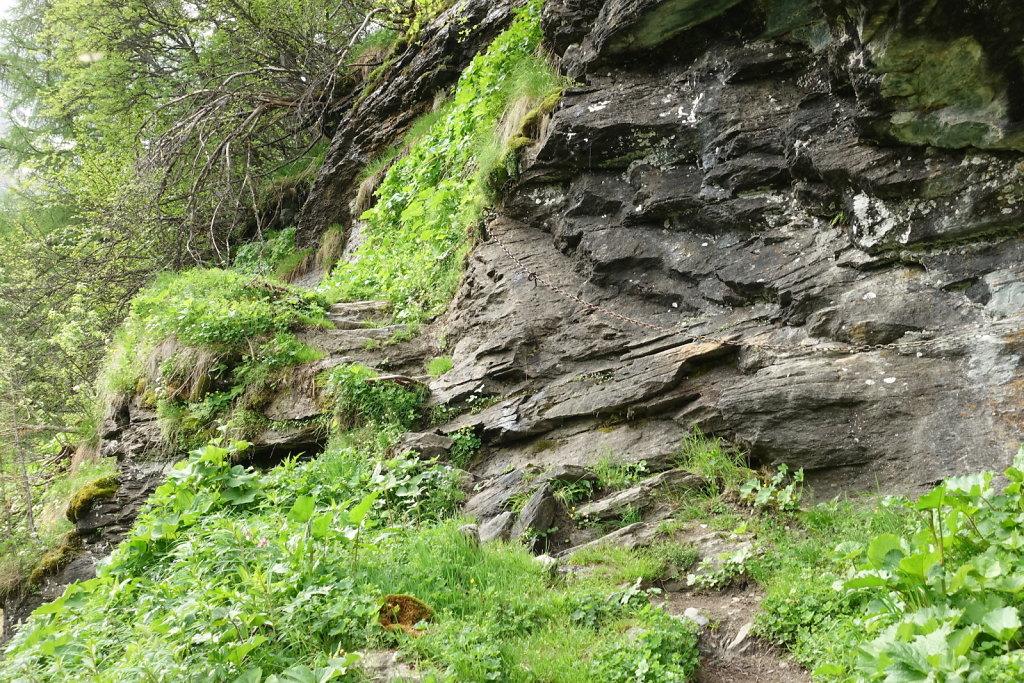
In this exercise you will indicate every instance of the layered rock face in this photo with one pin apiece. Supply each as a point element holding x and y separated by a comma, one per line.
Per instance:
<point>792,223</point>
<point>815,210</point>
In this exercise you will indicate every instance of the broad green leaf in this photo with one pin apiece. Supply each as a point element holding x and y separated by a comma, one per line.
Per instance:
<point>865,581</point>
<point>963,639</point>
<point>917,565</point>
<point>932,500</point>
<point>239,495</point>
<point>885,551</point>
<point>1002,623</point>
<point>321,525</point>
<point>359,512</point>
<point>239,652</point>
<point>250,676</point>
<point>828,670</point>
<point>302,510</point>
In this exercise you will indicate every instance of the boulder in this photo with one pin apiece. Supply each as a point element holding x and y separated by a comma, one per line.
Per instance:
<point>425,444</point>
<point>537,519</point>
<point>641,496</point>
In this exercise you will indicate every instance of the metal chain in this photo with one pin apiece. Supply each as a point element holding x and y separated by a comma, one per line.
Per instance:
<point>536,278</point>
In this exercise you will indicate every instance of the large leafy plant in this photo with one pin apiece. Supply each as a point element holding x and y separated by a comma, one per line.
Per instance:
<point>948,598</point>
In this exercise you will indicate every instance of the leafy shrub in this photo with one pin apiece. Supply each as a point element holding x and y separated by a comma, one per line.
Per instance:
<point>419,231</point>
<point>358,401</point>
<point>467,445</point>
<point>807,606</point>
<point>664,650</point>
<point>235,575</point>
<point>221,309</point>
<point>202,343</point>
<point>268,257</point>
<point>773,493</point>
<point>946,598</point>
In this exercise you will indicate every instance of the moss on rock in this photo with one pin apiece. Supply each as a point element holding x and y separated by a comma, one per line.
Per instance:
<point>82,501</point>
<point>403,612</point>
<point>56,559</point>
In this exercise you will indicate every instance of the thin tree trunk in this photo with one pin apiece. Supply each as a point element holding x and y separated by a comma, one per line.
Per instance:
<point>5,502</point>
<point>26,485</point>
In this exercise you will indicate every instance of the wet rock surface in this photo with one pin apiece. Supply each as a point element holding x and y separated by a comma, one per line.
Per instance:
<point>819,239</point>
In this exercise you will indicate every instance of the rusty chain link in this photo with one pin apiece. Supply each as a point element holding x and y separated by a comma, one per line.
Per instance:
<point>536,278</point>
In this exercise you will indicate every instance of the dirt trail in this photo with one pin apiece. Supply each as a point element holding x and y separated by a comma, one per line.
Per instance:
<point>725,656</point>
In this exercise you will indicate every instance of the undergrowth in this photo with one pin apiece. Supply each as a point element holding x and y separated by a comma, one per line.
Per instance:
<point>420,230</point>
<point>233,575</point>
<point>200,344</point>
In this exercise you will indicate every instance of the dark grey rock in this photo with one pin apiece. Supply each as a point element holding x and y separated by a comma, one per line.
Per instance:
<point>425,444</point>
<point>641,496</point>
<point>788,179</point>
<point>636,535</point>
<point>498,528</point>
<point>566,473</point>
<point>494,495</point>
<point>536,520</point>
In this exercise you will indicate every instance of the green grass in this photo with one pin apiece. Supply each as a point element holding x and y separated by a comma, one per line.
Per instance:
<point>617,565</point>
<point>613,473</point>
<point>801,608</point>
<point>438,366</point>
<point>200,344</point>
<point>714,460</point>
<point>232,572</point>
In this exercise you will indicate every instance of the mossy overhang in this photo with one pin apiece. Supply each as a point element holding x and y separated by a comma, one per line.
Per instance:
<point>658,22</point>
<point>83,499</point>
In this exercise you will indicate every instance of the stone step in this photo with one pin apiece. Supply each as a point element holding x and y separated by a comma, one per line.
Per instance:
<point>359,310</point>
<point>340,340</point>
<point>343,322</point>
<point>641,496</point>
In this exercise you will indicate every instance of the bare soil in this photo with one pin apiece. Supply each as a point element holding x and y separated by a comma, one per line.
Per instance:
<point>751,660</point>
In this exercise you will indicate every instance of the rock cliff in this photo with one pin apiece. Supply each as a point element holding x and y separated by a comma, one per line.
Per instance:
<point>811,213</point>
<point>793,224</point>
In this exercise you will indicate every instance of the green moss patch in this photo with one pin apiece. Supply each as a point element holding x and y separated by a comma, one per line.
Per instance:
<point>83,499</point>
<point>56,559</point>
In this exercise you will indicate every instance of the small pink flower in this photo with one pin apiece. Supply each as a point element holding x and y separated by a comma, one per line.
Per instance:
<point>262,543</point>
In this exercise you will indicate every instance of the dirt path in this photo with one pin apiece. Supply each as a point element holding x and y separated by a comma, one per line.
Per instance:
<point>726,657</point>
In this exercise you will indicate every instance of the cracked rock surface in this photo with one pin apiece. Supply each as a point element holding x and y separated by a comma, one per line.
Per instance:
<point>824,228</point>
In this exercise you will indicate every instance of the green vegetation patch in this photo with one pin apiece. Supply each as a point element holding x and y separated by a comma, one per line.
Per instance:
<point>360,397</point>
<point>56,559</point>
<point>202,344</point>
<point>82,501</point>
<point>419,231</point>
<point>233,575</point>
